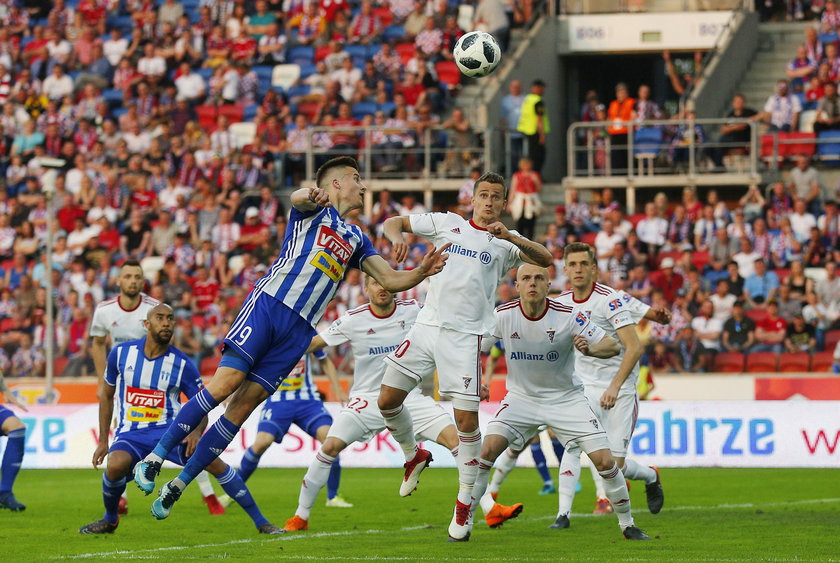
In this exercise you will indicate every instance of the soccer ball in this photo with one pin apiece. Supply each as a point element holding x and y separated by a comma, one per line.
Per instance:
<point>477,53</point>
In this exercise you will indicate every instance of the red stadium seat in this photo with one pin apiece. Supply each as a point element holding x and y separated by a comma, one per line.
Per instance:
<point>385,15</point>
<point>209,365</point>
<point>448,73</point>
<point>729,362</point>
<point>782,274</point>
<point>757,315</point>
<point>588,238</point>
<point>405,51</point>
<point>635,219</point>
<point>795,363</point>
<point>308,109</point>
<point>234,113</point>
<point>762,362</point>
<point>59,364</point>
<point>832,337</point>
<point>821,362</point>
<point>807,146</point>
<point>700,258</point>
<point>206,117</point>
<point>322,52</point>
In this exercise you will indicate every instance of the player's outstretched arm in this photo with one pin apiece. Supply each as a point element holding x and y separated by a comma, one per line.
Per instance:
<point>332,375</point>
<point>660,315</point>
<point>400,280</point>
<point>393,228</point>
<point>307,199</point>
<point>316,344</point>
<point>607,347</point>
<point>530,251</point>
<point>105,394</point>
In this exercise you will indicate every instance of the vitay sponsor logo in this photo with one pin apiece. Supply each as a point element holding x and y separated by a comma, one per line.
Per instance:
<point>152,398</point>
<point>329,239</point>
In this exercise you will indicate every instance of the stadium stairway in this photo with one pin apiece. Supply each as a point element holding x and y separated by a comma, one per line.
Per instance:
<point>777,45</point>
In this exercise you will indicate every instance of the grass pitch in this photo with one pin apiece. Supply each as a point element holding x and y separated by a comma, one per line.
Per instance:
<point>709,515</point>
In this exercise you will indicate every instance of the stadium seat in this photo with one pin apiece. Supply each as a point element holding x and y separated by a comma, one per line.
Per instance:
<point>828,150</point>
<point>762,362</point>
<point>757,315</point>
<point>358,53</point>
<point>322,52</point>
<point>393,32</point>
<point>151,266</point>
<point>832,337</point>
<point>385,15</point>
<point>307,70</point>
<point>699,259</point>
<point>297,91</point>
<point>236,263</point>
<point>209,365</point>
<point>729,362</point>
<point>768,141</point>
<point>362,109</point>
<point>113,97</point>
<point>405,51</point>
<point>301,54</point>
<point>249,113</point>
<point>806,121</point>
<point>60,364</point>
<point>465,14</point>
<point>647,141</point>
<point>795,363</point>
<point>448,73</point>
<point>588,238</point>
<point>388,108</point>
<point>308,109</point>
<point>795,144</point>
<point>205,73</point>
<point>244,133</point>
<point>635,219</point>
<point>782,273</point>
<point>233,112</point>
<point>821,362</point>
<point>285,76</point>
<point>206,117</point>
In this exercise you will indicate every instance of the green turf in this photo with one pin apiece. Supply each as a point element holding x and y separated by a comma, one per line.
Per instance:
<point>709,515</point>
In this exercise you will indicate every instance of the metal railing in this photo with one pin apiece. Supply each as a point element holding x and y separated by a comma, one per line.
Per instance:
<point>591,149</point>
<point>570,7</point>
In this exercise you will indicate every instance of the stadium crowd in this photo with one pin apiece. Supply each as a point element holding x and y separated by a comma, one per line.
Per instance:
<point>736,280</point>
<point>141,100</point>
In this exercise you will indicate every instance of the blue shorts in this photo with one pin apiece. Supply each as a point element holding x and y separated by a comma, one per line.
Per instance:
<point>5,414</point>
<point>277,417</point>
<point>140,443</point>
<point>270,337</point>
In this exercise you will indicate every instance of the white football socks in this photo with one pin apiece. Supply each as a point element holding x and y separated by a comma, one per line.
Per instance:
<point>314,480</point>
<point>616,491</point>
<point>204,484</point>
<point>480,495</point>
<point>638,472</point>
<point>569,474</point>
<point>599,482</point>
<point>398,422</point>
<point>469,450</point>
<point>504,465</point>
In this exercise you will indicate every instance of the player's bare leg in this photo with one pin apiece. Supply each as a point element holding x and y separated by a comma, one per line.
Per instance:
<point>616,490</point>
<point>225,381</point>
<point>398,421</point>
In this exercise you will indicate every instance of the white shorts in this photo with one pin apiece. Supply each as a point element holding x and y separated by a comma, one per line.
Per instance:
<point>571,420</point>
<point>361,420</point>
<point>456,355</point>
<point>619,421</point>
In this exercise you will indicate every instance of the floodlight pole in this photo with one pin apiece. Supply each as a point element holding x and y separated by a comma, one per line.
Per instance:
<point>48,187</point>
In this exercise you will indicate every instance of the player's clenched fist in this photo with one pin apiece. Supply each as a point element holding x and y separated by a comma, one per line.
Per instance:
<point>498,230</point>
<point>319,197</point>
<point>581,344</point>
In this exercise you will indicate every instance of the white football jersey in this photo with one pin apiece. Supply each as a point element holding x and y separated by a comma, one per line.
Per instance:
<point>461,297</point>
<point>371,339</point>
<point>540,353</point>
<point>610,310</point>
<point>110,319</point>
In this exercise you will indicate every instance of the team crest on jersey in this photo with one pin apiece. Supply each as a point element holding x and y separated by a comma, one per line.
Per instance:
<point>402,325</point>
<point>490,237</point>
<point>550,334</point>
<point>467,381</point>
<point>456,230</point>
<point>514,336</point>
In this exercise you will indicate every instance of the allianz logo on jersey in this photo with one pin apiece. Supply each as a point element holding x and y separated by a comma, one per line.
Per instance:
<point>483,257</point>
<point>379,350</point>
<point>551,356</point>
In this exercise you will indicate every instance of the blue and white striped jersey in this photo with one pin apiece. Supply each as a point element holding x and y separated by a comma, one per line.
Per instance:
<point>149,389</point>
<point>318,249</point>
<point>298,385</point>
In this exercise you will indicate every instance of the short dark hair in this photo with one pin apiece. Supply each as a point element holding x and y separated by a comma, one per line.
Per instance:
<point>580,247</point>
<point>492,178</point>
<point>131,263</point>
<point>337,162</point>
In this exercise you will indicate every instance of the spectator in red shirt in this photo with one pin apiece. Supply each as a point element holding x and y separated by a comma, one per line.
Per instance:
<point>411,89</point>
<point>205,290</point>
<point>770,331</point>
<point>347,139</point>
<point>667,280</point>
<point>252,232</point>
<point>244,47</point>
<point>366,26</point>
<point>68,213</point>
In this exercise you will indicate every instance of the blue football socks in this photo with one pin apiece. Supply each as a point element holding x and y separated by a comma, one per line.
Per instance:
<point>209,447</point>
<point>12,459</point>
<point>187,420</point>
<point>234,486</point>
<point>334,479</point>
<point>111,493</point>
<point>249,463</point>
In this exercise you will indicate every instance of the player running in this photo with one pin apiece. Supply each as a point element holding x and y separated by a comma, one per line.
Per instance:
<point>15,432</point>
<point>297,401</point>
<point>275,325</point>
<point>610,384</point>
<point>539,336</point>
<point>448,333</point>
<point>151,375</point>
<point>122,319</point>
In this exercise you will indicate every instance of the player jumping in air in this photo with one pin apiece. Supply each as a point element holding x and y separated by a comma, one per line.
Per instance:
<point>122,319</point>
<point>457,314</point>
<point>297,401</point>
<point>540,336</point>
<point>151,375</point>
<point>610,384</point>
<point>15,432</point>
<point>275,325</point>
